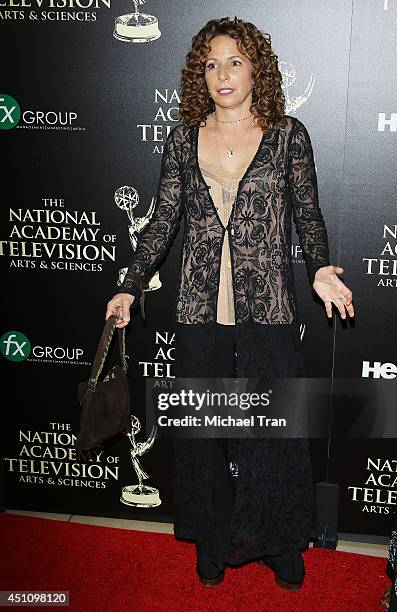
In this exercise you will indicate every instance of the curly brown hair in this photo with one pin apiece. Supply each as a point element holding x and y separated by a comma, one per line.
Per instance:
<point>268,100</point>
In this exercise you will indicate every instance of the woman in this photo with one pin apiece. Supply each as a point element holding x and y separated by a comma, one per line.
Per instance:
<point>389,599</point>
<point>237,168</point>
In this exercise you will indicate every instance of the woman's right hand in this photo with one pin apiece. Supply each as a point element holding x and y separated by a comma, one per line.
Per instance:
<point>120,305</point>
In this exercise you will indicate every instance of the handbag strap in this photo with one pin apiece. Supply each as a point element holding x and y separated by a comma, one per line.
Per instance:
<point>103,348</point>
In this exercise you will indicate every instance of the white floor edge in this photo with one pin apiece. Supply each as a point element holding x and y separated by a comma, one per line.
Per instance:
<point>362,548</point>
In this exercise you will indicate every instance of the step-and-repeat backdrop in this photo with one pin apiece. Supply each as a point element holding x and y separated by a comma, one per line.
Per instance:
<point>85,107</point>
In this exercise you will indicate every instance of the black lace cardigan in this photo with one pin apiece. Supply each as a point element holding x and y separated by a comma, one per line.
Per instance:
<point>280,180</point>
<point>274,508</point>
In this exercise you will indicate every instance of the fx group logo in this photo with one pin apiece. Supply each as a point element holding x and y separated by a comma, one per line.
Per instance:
<point>12,116</point>
<point>10,112</point>
<point>15,346</point>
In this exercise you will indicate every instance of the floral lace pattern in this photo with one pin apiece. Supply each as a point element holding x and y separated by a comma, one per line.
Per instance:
<point>392,567</point>
<point>274,493</point>
<point>274,507</point>
<point>279,183</point>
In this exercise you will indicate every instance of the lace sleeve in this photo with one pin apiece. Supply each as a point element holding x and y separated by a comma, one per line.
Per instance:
<point>157,236</point>
<point>307,214</point>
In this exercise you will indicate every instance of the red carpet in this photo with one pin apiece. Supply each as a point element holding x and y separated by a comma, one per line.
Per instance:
<point>107,569</point>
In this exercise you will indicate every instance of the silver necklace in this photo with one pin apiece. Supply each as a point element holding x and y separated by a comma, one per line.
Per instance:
<point>220,172</point>
<point>233,182</point>
<point>230,151</point>
<point>234,121</point>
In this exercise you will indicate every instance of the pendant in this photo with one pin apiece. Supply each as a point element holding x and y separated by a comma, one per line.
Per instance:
<point>230,153</point>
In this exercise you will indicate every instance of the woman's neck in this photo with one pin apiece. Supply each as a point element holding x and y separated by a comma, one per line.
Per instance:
<point>232,116</point>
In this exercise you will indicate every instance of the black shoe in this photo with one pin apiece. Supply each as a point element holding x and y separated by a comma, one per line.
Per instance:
<point>211,582</point>
<point>209,573</point>
<point>288,567</point>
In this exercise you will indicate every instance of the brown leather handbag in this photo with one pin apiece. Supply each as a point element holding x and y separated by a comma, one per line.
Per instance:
<point>105,405</point>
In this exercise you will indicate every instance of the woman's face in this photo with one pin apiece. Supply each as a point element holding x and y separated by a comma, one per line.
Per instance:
<point>228,73</point>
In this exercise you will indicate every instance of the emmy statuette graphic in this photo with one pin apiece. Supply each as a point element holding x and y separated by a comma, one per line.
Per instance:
<point>136,27</point>
<point>292,103</point>
<point>127,198</point>
<point>140,495</point>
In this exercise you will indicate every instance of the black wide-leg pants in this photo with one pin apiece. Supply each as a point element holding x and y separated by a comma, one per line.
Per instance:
<point>224,482</point>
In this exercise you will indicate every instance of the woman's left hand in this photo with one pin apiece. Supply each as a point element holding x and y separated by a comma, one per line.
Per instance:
<point>332,290</point>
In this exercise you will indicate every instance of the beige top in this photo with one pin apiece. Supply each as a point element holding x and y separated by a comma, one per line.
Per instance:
<point>223,192</point>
